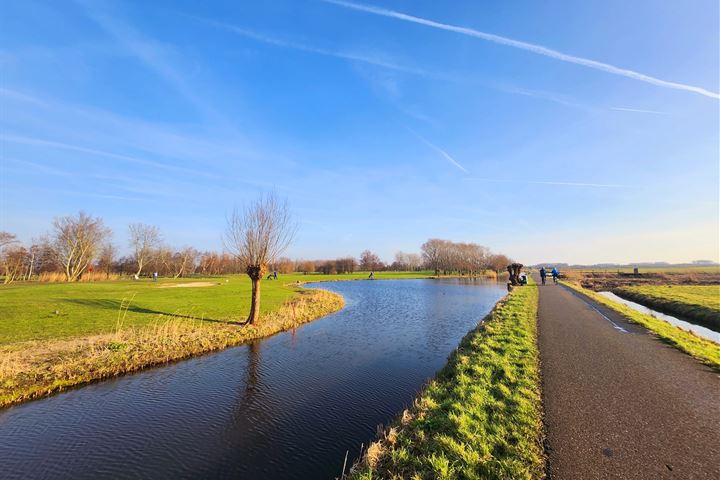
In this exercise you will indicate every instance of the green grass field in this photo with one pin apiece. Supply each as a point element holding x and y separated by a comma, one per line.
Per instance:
<point>481,416</point>
<point>28,310</point>
<point>698,303</point>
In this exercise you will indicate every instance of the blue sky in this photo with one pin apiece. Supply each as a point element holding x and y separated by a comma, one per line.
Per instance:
<point>567,131</point>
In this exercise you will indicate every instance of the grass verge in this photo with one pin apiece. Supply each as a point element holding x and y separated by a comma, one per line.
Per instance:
<point>696,303</point>
<point>37,368</point>
<point>704,350</point>
<point>481,416</point>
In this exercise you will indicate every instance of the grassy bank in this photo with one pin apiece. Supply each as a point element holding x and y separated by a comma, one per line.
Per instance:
<point>36,368</point>
<point>481,416</point>
<point>696,303</point>
<point>55,336</point>
<point>704,350</point>
<point>40,311</point>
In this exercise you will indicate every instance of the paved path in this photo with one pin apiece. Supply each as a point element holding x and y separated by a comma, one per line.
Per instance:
<point>619,403</point>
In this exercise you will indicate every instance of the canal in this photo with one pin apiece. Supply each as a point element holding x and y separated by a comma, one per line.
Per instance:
<point>286,407</point>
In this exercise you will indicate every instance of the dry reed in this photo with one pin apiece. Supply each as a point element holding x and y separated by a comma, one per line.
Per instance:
<point>58,277</point>
<point>38,368</point>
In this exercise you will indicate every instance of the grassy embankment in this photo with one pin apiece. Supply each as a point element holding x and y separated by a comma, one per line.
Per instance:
<point>696,303</point>
<point>481,416</point>
<point>54,336</point>
<point>704,350</point>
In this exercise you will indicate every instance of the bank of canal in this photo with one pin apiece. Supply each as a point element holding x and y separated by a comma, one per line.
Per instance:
<point>698,330</point>
<point>289,406</point>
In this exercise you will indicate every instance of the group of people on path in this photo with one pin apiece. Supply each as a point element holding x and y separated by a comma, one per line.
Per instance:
<point>555,274</point>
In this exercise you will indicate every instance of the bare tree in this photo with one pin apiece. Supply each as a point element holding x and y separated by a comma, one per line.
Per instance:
<point>185,261</point>
<point>32,260</point>
<point>7,238</point>
<point>345,265</point>
<point>257,236</point>
<point>7,255</point>
<point>369,261</point>
<point>106,259</point>
<point>76,241</point>
<point>432,253</point>
<point>498,262</point>
<point>414,261</point>
<point>14,263</point>
<point>306,266</point>
<point>284,265</point>
<point>143,239</point>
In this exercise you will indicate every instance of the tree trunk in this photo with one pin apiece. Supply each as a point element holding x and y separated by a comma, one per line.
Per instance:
<point>256,273</point>
<point>514,270</point>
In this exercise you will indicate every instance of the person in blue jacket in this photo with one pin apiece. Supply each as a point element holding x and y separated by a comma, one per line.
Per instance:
<point>543,274</point>
<point>555,274</point>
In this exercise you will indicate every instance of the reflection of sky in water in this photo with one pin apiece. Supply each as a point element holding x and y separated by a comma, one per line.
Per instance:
<point>289,406</point>
<point>696,329</point>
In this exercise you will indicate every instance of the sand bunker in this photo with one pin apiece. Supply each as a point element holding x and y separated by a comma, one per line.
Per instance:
<point>189,285</point>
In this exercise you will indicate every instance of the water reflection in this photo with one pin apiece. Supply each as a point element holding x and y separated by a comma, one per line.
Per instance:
<point>696,329</point>
<point>289,406</point>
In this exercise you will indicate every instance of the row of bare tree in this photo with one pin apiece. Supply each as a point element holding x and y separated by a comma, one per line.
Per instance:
<point>445,256</point>
<point>79,244</point>
<point>368,262</point>
<point>255,237</point>
<point>55,253</point>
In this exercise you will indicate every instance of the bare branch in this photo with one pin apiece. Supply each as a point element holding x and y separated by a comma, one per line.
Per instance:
<point>143,239</point>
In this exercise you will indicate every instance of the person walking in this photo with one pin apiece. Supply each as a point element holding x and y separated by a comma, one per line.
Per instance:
<point>543,274</point>
<point>555,275</point>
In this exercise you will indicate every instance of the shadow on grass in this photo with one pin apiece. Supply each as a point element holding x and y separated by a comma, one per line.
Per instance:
<point>110,304</point>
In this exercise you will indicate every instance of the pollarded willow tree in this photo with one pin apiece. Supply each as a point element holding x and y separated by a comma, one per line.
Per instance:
<point>257,235</point>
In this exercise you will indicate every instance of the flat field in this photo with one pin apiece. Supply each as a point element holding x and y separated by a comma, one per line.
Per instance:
<point>39,311</point>
<point>611,279</point>
<point>694,269</point>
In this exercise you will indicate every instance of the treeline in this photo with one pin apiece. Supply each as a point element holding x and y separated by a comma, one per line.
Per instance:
<point>80,248</point>
<point>447,257</point>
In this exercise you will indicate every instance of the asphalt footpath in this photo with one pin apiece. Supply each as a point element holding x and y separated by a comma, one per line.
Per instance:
<point>619,402</point>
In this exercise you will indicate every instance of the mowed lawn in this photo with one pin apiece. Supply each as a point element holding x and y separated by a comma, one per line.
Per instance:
<point>38,311</point>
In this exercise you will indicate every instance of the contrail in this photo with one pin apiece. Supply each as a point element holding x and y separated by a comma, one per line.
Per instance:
<point>311,49</point>
<point>538,182</point>
<point>92,151</point>
<point>637,110</point>
<point>530,47</point>
<point>442,152</point>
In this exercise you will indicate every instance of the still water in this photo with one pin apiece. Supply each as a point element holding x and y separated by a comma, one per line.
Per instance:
<point>289,406</point>
<point>698,330</point>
